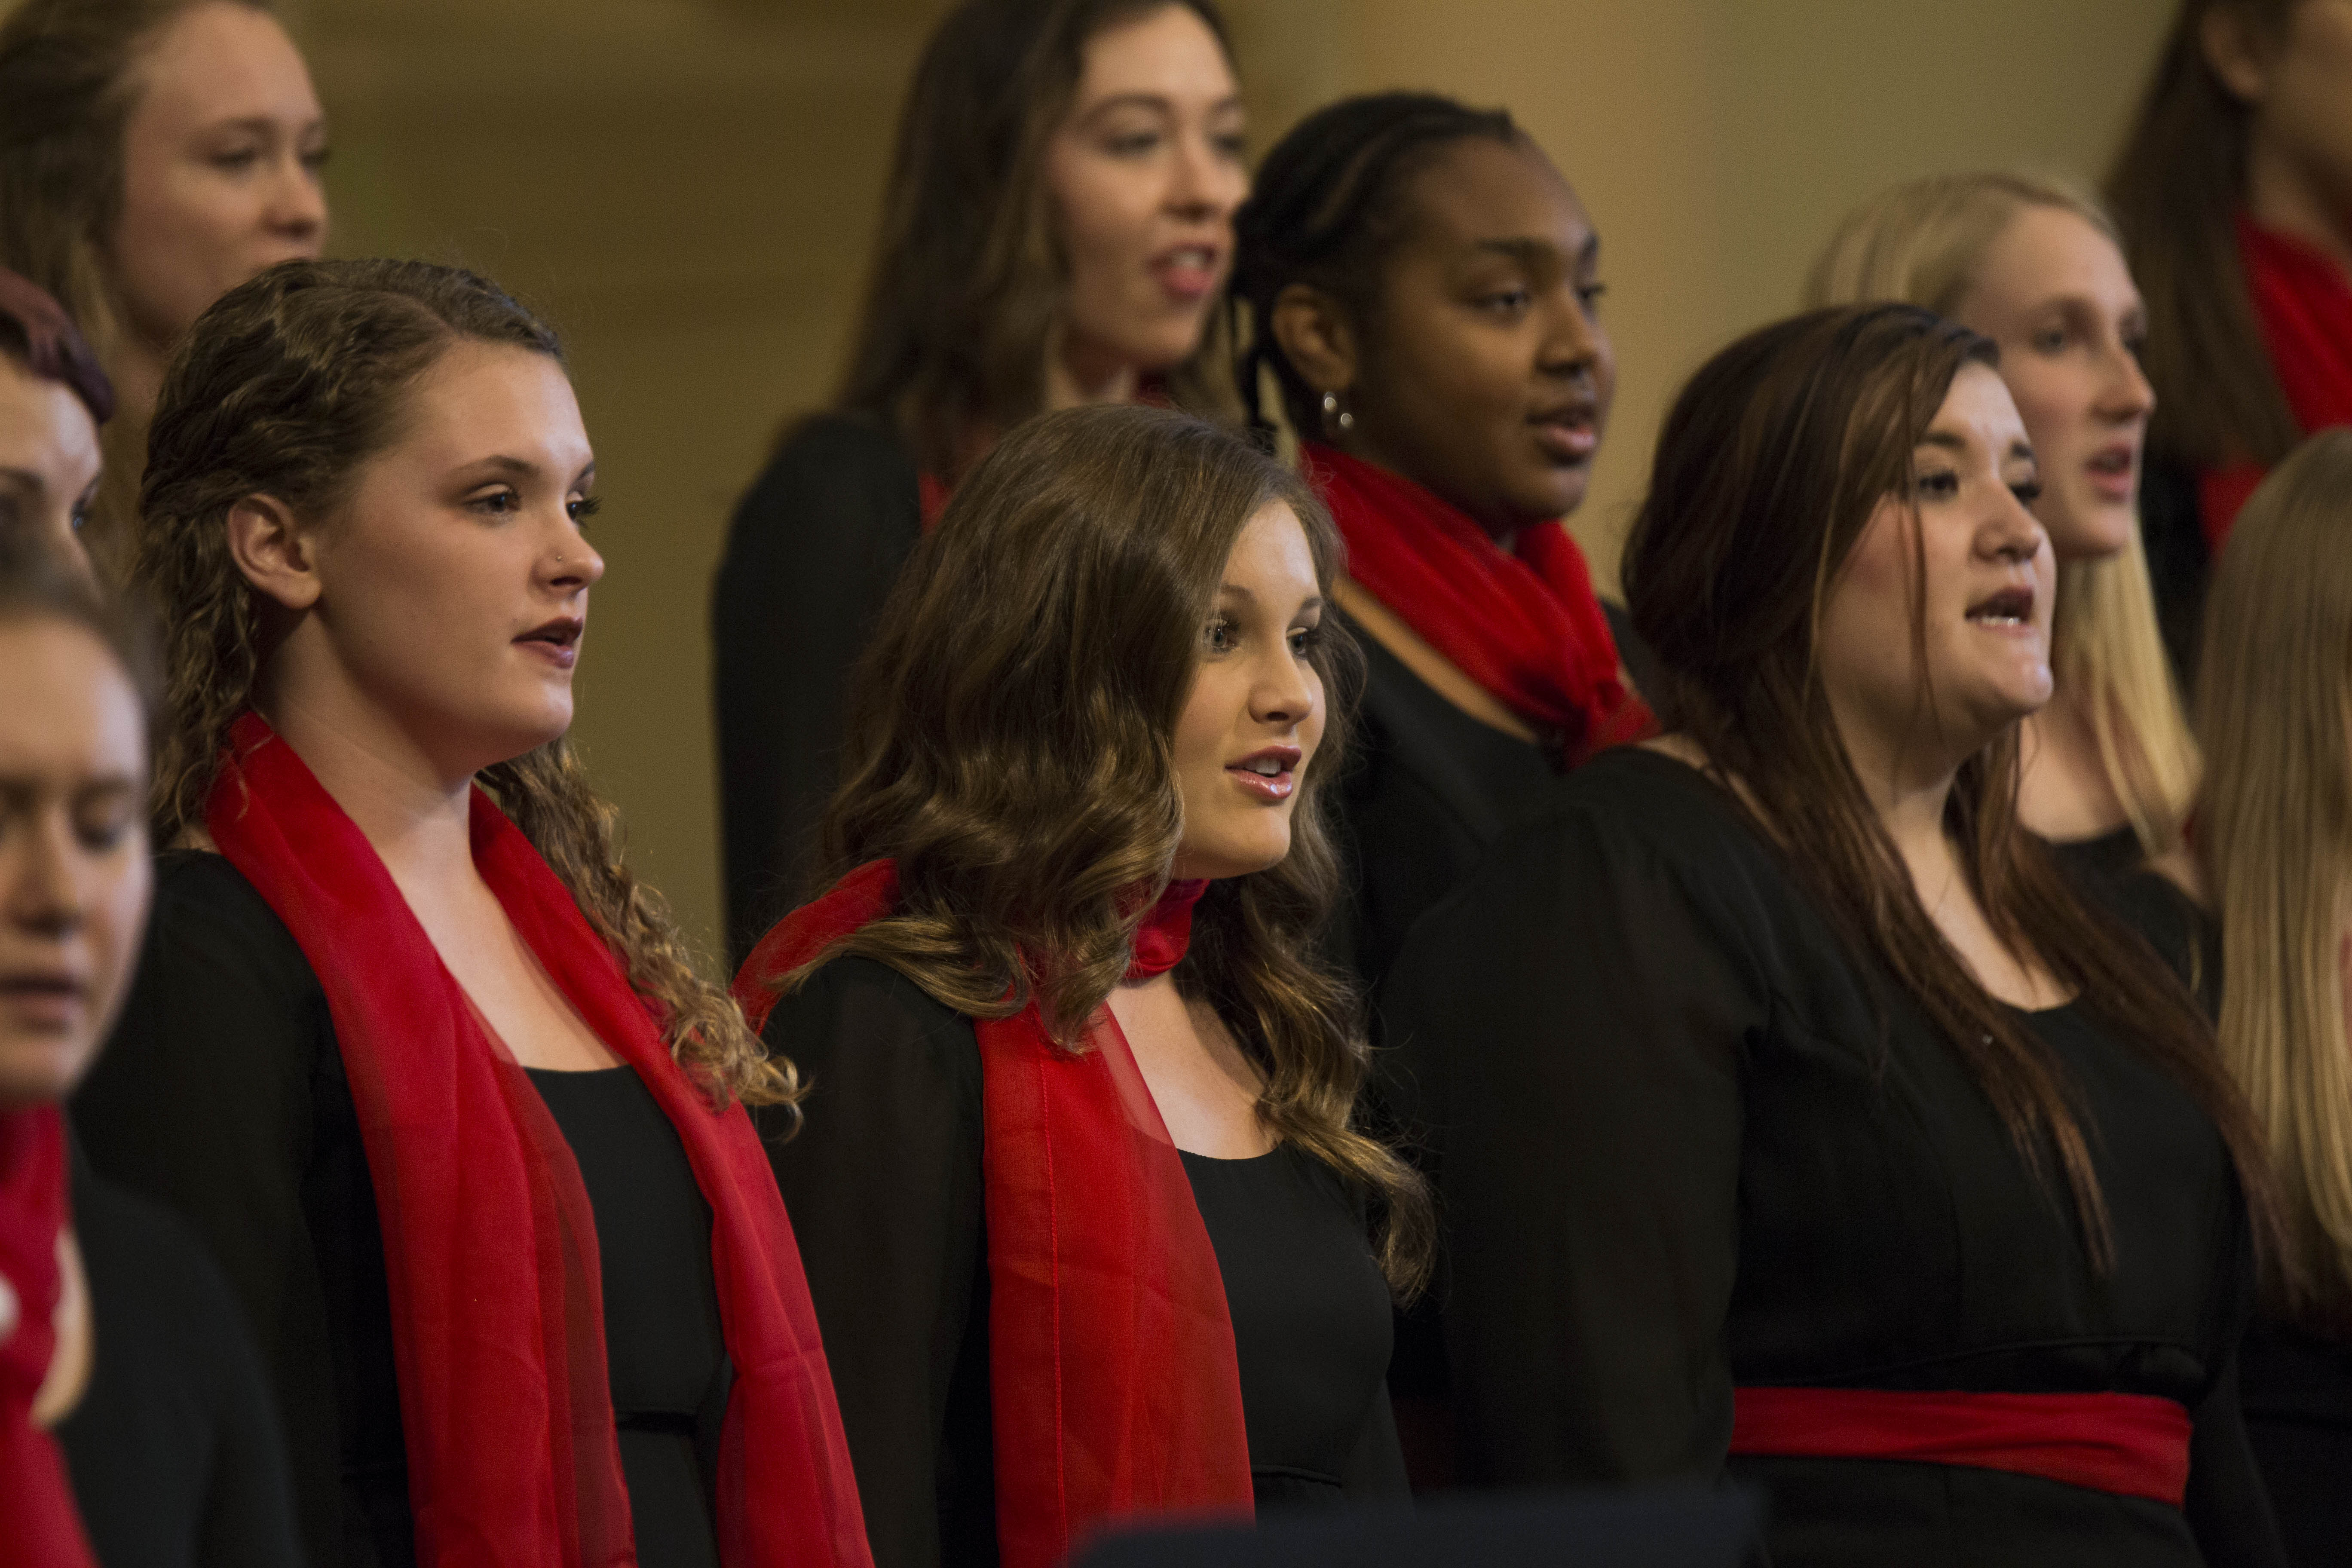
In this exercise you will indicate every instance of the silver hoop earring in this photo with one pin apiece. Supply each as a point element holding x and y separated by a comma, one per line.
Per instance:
<point>1333,413</point>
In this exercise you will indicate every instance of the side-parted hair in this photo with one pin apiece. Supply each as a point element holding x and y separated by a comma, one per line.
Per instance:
<point>1010,747</point>
<point>2176,189</point>
<point>1327,204</point>
<point>1923,243</point>
<point>67,84</point>
<point>36,332</point>
<point>36,586</point>
<point>1773,460</point>
<point>285,387</point>
<point>966,288</point>
<point>2274,836</point>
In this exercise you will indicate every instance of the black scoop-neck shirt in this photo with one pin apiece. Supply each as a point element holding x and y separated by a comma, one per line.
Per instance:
<point>1684,1141</point>
<point>884,1183</point>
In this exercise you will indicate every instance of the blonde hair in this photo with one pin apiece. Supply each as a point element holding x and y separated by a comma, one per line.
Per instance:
<point>1922,242</point>
<point>2274,835</point>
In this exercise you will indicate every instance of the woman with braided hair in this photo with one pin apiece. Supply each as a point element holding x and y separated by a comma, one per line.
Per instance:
<point>1424,287</point>
<point>410,1047</point>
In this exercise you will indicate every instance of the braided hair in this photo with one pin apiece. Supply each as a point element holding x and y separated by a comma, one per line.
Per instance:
<point>1327,205</point>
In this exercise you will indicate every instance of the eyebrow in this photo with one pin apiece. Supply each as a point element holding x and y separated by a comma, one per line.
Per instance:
<point>262,125</point>
<point>1312,601</point>
<point>1533,252</point>
<point>524,468</point>
<point>1158,100</point>
<point>1947,441</point>
<point>23,481</point>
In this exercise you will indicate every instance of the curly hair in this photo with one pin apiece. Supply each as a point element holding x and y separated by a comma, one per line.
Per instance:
<point>286,387</point>
<point>1011,747</point>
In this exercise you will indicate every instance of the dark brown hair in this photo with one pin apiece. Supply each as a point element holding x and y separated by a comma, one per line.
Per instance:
<point>285,387</point>
<point>36,332</point>
<point>1772,461</point>
<point>1327,205</point>
<point>2176,189</point>
<point>968,279</point>
<point>1009,747</point>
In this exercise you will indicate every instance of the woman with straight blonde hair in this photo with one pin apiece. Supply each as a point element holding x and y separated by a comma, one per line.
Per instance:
<point>2110,764</point>
<point>2274,843</point>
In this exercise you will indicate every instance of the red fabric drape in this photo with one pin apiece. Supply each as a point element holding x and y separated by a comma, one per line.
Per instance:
<point>490,1243</point>
<point>1113,1381</point>
<point>39,1526</point>
<point>2304,306</point>
<point>2133,1445</point>
<point>1522,624</point>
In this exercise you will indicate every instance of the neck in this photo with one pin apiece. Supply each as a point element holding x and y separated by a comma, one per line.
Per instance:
<point>1909,792</point>
<point>136,368</point>
<point>1077,377</point>
<point>2063,791</point>
<point>414,810</point>
<point>2280,196</point>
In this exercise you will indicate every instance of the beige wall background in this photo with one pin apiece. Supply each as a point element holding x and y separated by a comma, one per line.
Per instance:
<point>688,187</point>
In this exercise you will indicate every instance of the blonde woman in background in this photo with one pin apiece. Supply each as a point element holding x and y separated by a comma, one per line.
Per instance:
<point>2110,764</point>
<point>153,155</point>
<point>2275,845</point>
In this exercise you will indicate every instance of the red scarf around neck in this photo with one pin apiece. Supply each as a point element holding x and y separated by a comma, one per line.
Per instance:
<point>1112,1369</point>
<point>39,1525</point>
<point>1524,625</point>
<point>2304,306</point>
<point>489,1242</point>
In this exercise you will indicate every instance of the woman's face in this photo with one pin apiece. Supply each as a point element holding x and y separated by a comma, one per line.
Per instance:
<point>1483,373</point>
<point>1988,579</point>
<point>449,596</point>
<point>1144,177</point>
<point>2054,292</point>
<point>74,871</point>
<point>49,457</point>
<point>221,156</point>
<point>1254,715</point>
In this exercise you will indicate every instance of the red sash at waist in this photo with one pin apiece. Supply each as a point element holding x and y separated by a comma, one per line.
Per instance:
<point>2132,1445</point>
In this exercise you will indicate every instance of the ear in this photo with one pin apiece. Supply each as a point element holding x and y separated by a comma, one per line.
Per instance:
<point>2233,46</point>
<point>1316,336</point>
<point>272,550</point>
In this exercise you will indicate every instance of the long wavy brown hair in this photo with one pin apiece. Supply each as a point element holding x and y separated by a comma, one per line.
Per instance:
<point>286,387</point>
<point>1010,747</point>
<point>1770,465</point>
<point>965,291</point>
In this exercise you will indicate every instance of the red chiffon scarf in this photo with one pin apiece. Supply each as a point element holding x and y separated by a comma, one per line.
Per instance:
<point>490,1243</point>
<point>1112,1377</point>
<point>1523,625</point>
<point>2304,306</point>
<point>39,1526</point>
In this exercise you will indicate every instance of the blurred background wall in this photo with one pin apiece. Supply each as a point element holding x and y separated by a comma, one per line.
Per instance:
<point>688,186</point>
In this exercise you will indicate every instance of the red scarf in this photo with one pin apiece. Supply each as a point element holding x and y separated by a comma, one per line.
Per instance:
<point>1524,625</point>
<point>489,1242</point>
<point>39,1526</point>
<point>1112,1366</point>
<point>2304,306</point>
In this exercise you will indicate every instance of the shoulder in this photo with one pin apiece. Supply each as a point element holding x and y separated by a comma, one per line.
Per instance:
<point>834,460</point>
<point>859,1002</point>
<point>150,1272</point>
<point>1642,799</point>
<point>211,926</point>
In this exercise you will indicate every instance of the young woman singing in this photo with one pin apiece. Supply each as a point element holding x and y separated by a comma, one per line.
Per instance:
<point>1089,1224</point>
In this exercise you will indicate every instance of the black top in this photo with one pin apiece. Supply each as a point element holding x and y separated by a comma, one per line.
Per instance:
<point>2180,563</point>
<point>1426,790</point>
<point>814,546</point>
<point>1684,1141</point>
<point>222,1095</point>
<point>2295,1385</point>
<point>175,1450</point>
<point>887,1194</point>
<point>664,1353</point>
